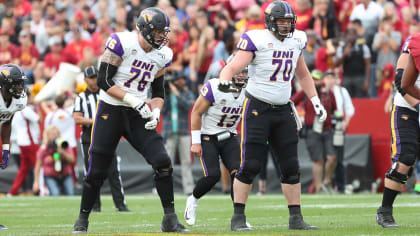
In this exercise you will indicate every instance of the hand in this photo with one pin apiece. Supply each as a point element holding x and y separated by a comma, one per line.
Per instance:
<point>35,187</point>
<point>226,86</point>
<point>5,160</point>
<point>196,149</point>
<point>319,108</point>
<point>144,110</point>
<point>154,121</point>
<point>173,89</point>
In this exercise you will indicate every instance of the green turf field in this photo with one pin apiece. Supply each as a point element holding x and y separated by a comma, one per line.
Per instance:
<point>335,215</point>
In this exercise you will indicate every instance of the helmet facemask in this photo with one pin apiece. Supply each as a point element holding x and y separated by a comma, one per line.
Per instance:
<point>241,79</point>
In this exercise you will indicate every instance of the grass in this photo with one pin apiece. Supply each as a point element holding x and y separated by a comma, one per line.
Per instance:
<point>335,215</point>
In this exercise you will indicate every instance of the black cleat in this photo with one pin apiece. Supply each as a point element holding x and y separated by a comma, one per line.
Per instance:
<point>123,209</point>
<point>81,226</point>
<point>96,209</point>
<point>238,223</point>
<point>170,223</point>
<point>385,219</point>
<point>296,222</point>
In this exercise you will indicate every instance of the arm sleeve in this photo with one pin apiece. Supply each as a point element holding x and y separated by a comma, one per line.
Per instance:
<point>158,89</point>
<point>105,75</point>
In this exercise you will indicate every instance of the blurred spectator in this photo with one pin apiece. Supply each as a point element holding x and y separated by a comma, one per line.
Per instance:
<point>251,20</point>
<point>324,58</point>
<point>391,12</point>
<point>304,14</point>
<point>191,48</point>
<point>385,87</point>
<point>37,22</point>
<point>319,135</point>
<point>202,21</point>
<point>354,56</point>
<point>311,49</point>
<point>8,25</point>
<point>408,15</point>
<point>178,37</point>
<point>53,59</point>
<point>22,8</point>
<point>369,13</point>
<point>61,18</point>
<point>76,47</point>
<point>192,14</point>
<point>344,14</point>
<point>204,57</point>
<point>181,11</point>
<point>121,17</point>
<point>323,20</point>
<point>387,44</point>
<point>8,51</point>
<point>175,130</point>
<point>240,7</point>
<point>28,139</point>
<point>101,34</point>
<point>89,58</point>
<point>360,30</point>
<point>132,14</point>
<point>215,7</point>
<point>57,162</point>
<point>86,19</point>
<point>50,11</point>
<point>341,120</point>
<point>76,29</point>
<point>222,25</point>
<point>27,55</point>
<point>120,26</point>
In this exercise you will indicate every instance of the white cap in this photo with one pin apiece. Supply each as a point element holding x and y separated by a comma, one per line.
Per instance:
<point>54,40</point>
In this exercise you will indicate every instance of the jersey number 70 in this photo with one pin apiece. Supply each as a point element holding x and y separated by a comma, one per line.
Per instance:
<point>287,69</point>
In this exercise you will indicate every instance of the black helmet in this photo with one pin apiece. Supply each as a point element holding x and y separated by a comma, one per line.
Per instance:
<point>241,79</point>
<point>150,19</point>
<point>12,80</point>
<point>280,10</point>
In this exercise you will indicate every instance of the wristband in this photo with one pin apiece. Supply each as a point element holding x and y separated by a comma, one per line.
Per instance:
<point>131,100</point>
<point>6,147</point>
<point>195,137</point>
<point>315,100</point>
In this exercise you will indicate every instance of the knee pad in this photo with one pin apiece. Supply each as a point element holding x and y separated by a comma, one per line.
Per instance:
<point>291,176</point>
<point>161,160</point>
<point>162,173</point>
<point>396,176</point>
<point>408,159</point>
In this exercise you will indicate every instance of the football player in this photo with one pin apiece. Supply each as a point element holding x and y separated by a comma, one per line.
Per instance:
<point>274,56</point>
<point>132,63</point>
<point>13,99</point>
<point>214,119</point>
<point>404,129</point>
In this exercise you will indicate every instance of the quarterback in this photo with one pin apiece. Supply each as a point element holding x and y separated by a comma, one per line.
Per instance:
<point>274,56</point>
<point>132,63</point>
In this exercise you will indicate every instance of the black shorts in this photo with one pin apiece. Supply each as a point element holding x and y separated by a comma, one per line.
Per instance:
<point>405,136</point>
<point>264,122</point>
<point>228,150</point>
<point>112,123</point>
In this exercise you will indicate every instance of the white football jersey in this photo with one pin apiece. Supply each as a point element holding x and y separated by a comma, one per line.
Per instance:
<point>273,67</point>
<point>138,68</point>
<point>18,104</point>
<point>399,99</point>
<point>225,111</point>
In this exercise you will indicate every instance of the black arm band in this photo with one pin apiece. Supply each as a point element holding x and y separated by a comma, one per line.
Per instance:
<point>105,75</point>
<point>398,78</point>
<point>158,90</point>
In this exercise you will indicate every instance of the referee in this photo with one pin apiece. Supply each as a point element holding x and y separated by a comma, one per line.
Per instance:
<point>83,113</point>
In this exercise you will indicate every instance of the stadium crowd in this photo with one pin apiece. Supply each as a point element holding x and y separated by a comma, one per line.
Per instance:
<point>357,40</point>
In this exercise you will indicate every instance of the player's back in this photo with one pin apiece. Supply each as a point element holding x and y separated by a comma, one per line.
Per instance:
<point>138,68</point>
<point>273,67</point>
<point>225,110</point>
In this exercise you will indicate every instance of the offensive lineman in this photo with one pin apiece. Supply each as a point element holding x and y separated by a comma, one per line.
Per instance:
<point>404,129</point>
<point>274,55</point>
<point>132,63</point>
<point>13,99</point>
<point>214,119</point>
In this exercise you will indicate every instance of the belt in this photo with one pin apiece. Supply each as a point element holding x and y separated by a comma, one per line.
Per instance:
<point>275,106</point>
<point>214,136</point>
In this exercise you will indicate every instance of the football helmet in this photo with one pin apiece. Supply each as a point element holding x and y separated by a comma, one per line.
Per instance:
<point>153,19</point>
<point>280,10</point>
<point>241,79</point>
<point>12,80</point>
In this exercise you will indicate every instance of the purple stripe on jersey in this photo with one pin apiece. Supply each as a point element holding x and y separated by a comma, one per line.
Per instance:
<point>306,44</point>
<point>168,64</point>
<point>246,43</point>
<point>243,143</point>
<point>404,48</point>
<point>285,7</point>
<point>207,92</point>
<point>91,138</point>
<point>115,45</point>
<point>397,135</point>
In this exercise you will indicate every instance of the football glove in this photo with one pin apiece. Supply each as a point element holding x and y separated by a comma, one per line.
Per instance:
<point>319,108</point>
<point>154,121</point>
<point>139,105</point>
<point>226,86</point>
<point>5,160</point>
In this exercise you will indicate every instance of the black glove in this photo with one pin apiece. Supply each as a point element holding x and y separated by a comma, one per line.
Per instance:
<point>398,78</point>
